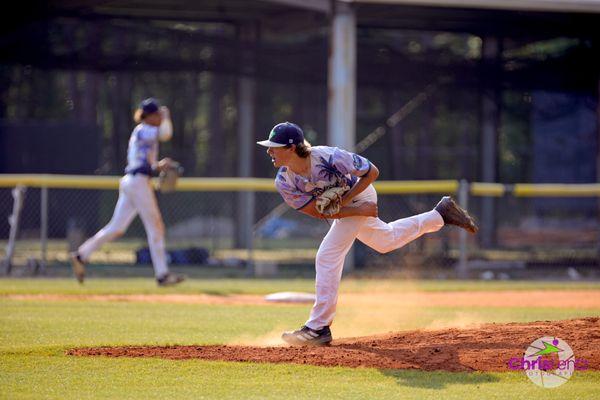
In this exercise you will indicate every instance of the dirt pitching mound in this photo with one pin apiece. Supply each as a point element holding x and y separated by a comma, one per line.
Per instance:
<point>485,348</point>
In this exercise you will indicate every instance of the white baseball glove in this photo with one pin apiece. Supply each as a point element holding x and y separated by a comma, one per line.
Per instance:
<point>330,201</point>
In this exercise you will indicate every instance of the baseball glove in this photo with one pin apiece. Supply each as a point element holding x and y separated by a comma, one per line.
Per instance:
<point>167,179</point>
<point>330,201</point>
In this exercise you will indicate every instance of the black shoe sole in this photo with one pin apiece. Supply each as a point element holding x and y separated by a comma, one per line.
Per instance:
<point>467,223</point>
<point>470,225</point>
<point>317,342</point>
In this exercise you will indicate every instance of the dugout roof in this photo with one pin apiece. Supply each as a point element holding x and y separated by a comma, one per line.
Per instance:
<point>292,39</point>
<point>504,17</point>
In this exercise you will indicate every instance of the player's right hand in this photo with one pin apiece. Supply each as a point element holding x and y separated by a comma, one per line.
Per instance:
<point>164,112</point>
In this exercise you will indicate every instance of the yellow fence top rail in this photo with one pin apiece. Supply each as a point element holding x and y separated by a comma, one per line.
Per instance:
<point>60,181</point>
<point>556,190</point>
<point>226,184</point>
<point>402,187</point>
<point>267,185</point>
<point>487,189</point>
<point>207,184</point>
<point>112,182</point>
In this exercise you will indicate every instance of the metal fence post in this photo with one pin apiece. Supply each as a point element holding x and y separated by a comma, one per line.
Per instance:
<point>341,83</point>
<point>463,199</point>
<point>18,194</point>
<point>249,231</point>
<point>44,227</point>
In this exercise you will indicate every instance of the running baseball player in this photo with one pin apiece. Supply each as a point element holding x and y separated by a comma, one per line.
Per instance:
<point>310,179</point>
<point>136,195</point>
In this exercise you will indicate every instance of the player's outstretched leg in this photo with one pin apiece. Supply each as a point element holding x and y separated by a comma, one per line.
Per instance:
<point>123,215</point>
<point>452,214</point>
<point>306,336</point>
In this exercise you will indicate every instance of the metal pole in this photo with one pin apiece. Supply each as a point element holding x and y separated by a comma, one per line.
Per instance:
<point>246,198</point>
<point>248,34</point>
<point>18,194</point>
<point>250,202</point>
<point>341,82</point>
<point>341,107</point>
<point>246,109</point>
<point>463,199</point>
<point>44,227</point>
<point>598,172</point>
<point>490,125</point>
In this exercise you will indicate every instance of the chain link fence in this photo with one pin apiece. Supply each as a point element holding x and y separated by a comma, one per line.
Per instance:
<point>552,237</point>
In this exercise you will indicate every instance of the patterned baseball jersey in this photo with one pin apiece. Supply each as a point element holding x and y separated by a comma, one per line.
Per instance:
<point>142,152</point>
<point>330,166</point>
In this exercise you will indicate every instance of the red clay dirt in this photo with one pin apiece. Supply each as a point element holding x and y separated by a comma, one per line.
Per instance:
<point>485,348</point>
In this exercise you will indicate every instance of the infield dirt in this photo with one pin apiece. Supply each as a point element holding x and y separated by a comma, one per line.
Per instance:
<point>488,347</point>
<point>375,298</point>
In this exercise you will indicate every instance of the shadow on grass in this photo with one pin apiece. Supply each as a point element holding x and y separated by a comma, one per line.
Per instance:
<point>222,293</point>
<point>438,379</point>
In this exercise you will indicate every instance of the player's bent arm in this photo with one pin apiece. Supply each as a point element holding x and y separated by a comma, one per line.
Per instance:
<point>310,210</point>
<point>361,185</point>
<point>367,209</point>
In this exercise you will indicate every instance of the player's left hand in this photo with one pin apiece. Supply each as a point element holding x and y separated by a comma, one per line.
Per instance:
<point>170,171</point>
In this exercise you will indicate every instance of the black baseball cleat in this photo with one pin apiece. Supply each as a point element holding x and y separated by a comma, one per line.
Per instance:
<point>306,336</point>
<point>169,279</point>
<point>452,214</point>
<point>78,266</point>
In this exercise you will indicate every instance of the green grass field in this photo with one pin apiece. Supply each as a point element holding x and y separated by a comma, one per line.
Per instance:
<point>35,334</point>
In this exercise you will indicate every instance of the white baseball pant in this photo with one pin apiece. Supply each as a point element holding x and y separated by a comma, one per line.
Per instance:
<point>136,196</point>
<point>380,236</point>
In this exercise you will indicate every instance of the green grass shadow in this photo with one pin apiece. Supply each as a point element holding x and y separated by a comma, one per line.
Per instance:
<point>437,379</point>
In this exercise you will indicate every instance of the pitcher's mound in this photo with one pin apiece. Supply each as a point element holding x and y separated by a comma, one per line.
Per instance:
<point>485,348</point>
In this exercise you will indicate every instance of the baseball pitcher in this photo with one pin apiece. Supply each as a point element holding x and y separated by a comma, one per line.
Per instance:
<point>328,182</point>
<point>136,194</point>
